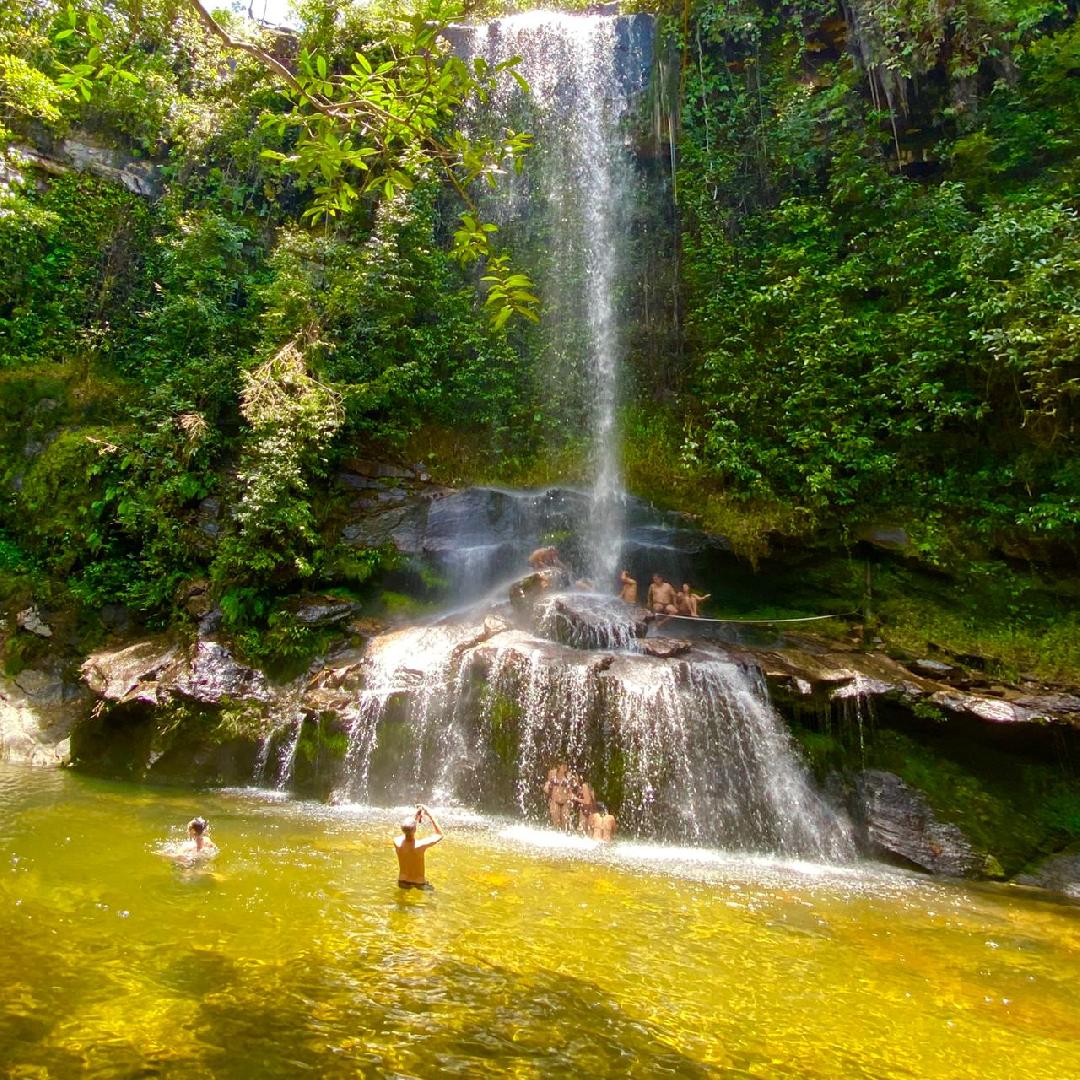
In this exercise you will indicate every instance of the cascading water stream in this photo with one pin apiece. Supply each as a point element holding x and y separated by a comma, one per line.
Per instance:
<point>586,73</point>
<point>691,749</point>
<point>686,749</point>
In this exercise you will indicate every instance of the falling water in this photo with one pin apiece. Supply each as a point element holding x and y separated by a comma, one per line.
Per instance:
<point>586,73</point>
<point>690,749</point>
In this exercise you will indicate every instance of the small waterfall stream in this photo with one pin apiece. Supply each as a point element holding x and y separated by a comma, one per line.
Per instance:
<point>586,74</point>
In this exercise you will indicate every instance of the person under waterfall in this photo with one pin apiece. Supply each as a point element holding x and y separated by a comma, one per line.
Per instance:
<point>558,790</point>
<point>602,825</point>
<point>585,800</point>
<point>627,588</point>
<point>410,851</point>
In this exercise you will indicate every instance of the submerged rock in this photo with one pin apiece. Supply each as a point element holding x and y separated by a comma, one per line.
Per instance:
<point>895,820</point>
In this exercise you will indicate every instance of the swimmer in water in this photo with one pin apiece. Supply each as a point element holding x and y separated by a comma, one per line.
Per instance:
<point>196,848</point>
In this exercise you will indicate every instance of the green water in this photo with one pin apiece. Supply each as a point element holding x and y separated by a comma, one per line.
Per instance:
<point>297,955</point>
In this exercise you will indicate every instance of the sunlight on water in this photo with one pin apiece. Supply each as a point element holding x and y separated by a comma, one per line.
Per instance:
<point>537,955</point>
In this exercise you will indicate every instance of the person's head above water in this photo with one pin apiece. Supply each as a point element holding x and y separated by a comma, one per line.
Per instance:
<point>197,826</point>
<point>408,825</point>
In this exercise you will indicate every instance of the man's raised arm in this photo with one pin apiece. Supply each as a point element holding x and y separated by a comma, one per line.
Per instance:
<point>429,840</point>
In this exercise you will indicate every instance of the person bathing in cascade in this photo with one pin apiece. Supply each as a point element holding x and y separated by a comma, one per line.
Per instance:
<point>662,597</point>
<point>585,799</point>
<point>627,588</point>
<point>410,851</point>
<point>546,558</point>
<point>602,825</point>
<point>558,789</point>
<point>198,847</point>
<point>687,601</point>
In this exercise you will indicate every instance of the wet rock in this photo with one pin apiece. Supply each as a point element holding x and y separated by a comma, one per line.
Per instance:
<point>321,610</point>
<point>665,648</point>
<point>589,621</point>
<point>32,622</point>
<point>528,591</point>
<point>895,820</point>
<point>215,677</point>
<point>1058,873</point>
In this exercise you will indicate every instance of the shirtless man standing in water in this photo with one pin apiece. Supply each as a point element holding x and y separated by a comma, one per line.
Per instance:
<point>410,851</point>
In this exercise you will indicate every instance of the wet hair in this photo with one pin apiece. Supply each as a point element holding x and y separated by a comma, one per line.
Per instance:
<point>408,825</point>
<point>601,808</point>
<point>197,825</point>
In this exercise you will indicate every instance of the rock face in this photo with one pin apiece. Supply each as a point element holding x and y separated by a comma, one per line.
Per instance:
<point>173,713</point>
<point>895,821</point>
<point>80,153</point>
<point>477,537</point>
<point>37,708</point>
<point>807,672</point>
<point>1059,873</point>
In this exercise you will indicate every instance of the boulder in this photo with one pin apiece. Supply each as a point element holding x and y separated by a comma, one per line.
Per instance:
<point>321,610</point>
<point>214,677</point>
<point>137,672</point>
<point>665,648</point>
<point>32,622</point>
<point>1058,873</point>
<point>588,620</point>
<point>894,820</point>
<point>37,708</point>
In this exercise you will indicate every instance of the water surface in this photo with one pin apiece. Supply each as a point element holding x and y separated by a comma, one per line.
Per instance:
<point>537,955</point>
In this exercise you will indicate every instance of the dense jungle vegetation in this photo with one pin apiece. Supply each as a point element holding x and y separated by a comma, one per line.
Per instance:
<point>874,308</point>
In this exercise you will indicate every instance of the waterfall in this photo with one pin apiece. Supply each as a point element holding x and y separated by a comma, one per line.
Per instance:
<point>586,74</point>
<point>687,749</point>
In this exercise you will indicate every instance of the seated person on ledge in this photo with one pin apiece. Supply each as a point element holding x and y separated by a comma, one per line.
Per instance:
<point>410,851</point>
<point>687,601</point>
<point>662,596</point>
<point>627,588</point>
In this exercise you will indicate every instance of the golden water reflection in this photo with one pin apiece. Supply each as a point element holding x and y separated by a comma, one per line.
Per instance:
<point>296,954</point>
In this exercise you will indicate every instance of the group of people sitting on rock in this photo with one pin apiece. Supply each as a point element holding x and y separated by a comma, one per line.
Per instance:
<point>663,598</point>
<point>572,803</point>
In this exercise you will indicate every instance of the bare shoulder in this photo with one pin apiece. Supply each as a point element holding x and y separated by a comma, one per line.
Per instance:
<point>428,841</point>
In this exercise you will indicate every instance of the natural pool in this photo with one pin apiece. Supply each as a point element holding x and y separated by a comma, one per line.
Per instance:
<point>297,955</point>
